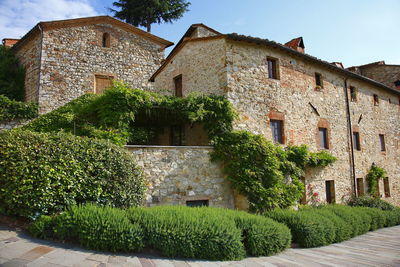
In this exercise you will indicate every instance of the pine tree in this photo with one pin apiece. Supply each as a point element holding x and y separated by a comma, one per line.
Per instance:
<point>146,12</point>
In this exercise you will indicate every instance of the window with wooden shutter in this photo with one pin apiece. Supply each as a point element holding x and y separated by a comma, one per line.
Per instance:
<point>178,86</point>
<point>102,83</point>
<point>360,187</point>
<point>386,186</point>
<point>330,191</point>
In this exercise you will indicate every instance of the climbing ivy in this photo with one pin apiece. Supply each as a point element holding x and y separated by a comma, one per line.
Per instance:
<point>374,174</point>
<point>266,173</point>
<point>12,110</point>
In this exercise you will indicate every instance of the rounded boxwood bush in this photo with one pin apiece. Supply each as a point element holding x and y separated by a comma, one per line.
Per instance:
<point>370,202</point>
<point>308,229</point>
<point>188,233</point>
<point>392,217</point>
<point>378,217</point>
<point>44,173</point>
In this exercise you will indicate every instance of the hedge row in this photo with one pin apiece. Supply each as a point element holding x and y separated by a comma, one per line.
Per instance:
<point>45,173</point>
<point>205,233</point>
<point>314,227</point>
<point>11,110</point>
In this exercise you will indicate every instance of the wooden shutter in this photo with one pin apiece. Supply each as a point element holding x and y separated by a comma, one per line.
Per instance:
<point>178,86</point>
<point>102,83</point>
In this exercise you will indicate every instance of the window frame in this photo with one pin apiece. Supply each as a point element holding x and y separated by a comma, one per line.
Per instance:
<point>386,187</point>
<point>98,76</point>
<point>325,138</point>
<point>356,140</point>
<point>178,91</point>
<point>330,194</point>
<point>353,94</point>
<point>280,138</point>
<point>360,187</point>
<point>382,142</point>
<point>273,70</point>
<point>376,100</point>
<point>319,84</point>
<point>205,201</point>
<point>106,40</point>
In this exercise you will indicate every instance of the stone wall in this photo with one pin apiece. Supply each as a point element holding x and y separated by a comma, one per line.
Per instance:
<point>28,55</point>
<point>175,175</point>
<point>386,74</point>
<point>72,56</point>
<point>202,66</point>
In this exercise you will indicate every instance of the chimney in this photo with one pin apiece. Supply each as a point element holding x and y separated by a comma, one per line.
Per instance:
<point>338,64</point>
<point>296,44</point>
<point>8,42</point>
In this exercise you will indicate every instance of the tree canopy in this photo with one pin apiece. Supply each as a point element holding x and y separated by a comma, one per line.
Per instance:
<point>146,12</point>
<point>12,75</point>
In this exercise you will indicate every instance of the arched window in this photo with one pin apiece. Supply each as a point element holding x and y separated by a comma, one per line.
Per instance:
<point>106,39</point>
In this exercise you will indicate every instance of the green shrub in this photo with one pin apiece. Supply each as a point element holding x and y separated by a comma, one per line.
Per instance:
<point>188,233</point>
<point>11,110</point>
<point>371,202</point>
<point>12,75</point>
<point>43,173</point>
<point>378,217</point>
<point>42,227</point>
<point>342,229</point>
<point>308,229</point>
<point>392,217</point>
<point>349,216</point>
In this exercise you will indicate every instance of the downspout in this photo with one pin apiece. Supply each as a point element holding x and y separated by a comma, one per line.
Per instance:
<point>352,161</point>
<point>40,63</point>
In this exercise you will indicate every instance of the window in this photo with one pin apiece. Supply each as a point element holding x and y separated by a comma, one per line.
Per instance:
<point>382,142</point>
<point>277,130</point>
<point>386,186</point>
<point>323,138</point>
<point>197,203</point>
<point>356,141</point>
<point>106,39</point>
<point>376,100</point>
<point>330,191</point>
<point>303,199</point>
<point>353,94</point>
<point>318,80</point>
<point>102,82</point>
<point>272,68</point>
<point>360,187</point>
<point>177,135</point>
<point>178,86</point>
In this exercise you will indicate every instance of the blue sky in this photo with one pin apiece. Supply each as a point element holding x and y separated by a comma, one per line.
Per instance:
<point>354,32</point>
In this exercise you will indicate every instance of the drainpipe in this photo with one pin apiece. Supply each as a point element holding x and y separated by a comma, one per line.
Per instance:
<point>352,161</point>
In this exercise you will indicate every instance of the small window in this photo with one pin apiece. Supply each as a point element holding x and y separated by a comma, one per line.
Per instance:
<point>177,135</point>
<point>303,199</point>
<point>376,100</point>
<point>318,81</point>
<point>323,138</point>
<point>178,86</point>
<point>102,83</point>
<point>106,39</point>
<point>386,186</point>
<point>353,94</point>
<point>272,68</point>
<point>277,130</point>
<point>360,187</point>
<point>330,191</point>
<point>356,141</point>
<point>197,203</point>
<point>382,142</point>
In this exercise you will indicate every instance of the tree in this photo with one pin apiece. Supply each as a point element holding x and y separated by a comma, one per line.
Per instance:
<point>12,75</point>
<point>146,12</point>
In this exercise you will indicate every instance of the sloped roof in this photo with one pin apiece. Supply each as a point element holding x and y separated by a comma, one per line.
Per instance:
<point>296,42</point>
<point>51,25</point>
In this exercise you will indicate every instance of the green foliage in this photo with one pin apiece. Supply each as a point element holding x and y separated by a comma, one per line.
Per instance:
<point>375,173</point>
<point>12,75</point>
<point>359,222</point>
<point>264,172</point>
<point>42,173</point>
<point>378,217</point>
<point>12,110</point>
<point>392,217</point>
<point>189,233</point>
<point>42,227</point>
<point>145,13</point>
<point>371,202</point>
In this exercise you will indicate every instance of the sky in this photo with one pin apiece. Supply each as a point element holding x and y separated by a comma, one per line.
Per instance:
<point>354,32</point>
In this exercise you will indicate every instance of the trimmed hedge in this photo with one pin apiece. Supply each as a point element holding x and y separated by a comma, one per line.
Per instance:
<point>313,227</point>
<point>371,202</point>
<point>44,173</point>
<point>11,110</point>
<point>206,233</point>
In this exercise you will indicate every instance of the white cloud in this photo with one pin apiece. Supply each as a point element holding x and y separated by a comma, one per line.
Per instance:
<point>17,17</point>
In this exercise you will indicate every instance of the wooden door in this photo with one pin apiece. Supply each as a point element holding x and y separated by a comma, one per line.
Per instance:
<point>102,83</point>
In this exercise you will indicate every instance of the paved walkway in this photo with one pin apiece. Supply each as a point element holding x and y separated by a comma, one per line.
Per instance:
<point>379,248</point>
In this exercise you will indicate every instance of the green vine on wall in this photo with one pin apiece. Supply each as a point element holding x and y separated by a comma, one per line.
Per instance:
<point>11,110</point>
<point>266,173</point>
<point>374,174</point>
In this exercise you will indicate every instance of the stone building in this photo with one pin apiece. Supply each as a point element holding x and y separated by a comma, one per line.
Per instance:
<point>293,98</point>
<point>65,59</point>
